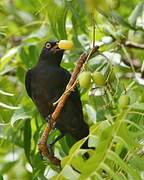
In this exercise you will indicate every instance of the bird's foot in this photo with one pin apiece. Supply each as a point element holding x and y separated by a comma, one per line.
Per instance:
<point>44,149</point>
<point>48,118</point>
<point>50,149</point>
<point>40,148</point>
<point>41,155</point>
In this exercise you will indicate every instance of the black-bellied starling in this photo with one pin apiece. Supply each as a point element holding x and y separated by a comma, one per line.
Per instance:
<point>46,82</point>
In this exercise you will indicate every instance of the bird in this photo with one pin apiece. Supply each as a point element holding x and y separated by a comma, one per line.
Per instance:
<point>45,84</point>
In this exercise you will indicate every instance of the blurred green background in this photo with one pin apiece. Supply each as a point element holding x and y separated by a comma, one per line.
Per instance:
<point>117,134</point>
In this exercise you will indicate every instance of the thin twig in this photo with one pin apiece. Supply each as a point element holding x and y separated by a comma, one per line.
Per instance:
<point>66,91</point>
<point>134,45</point>
<point>94,30</point>
<point>128,57</point>
<point>51,124</point>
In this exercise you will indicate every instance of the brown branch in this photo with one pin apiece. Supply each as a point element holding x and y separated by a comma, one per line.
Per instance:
<point>135,62</point>
<point>134,45</point>
<point>51,124</point>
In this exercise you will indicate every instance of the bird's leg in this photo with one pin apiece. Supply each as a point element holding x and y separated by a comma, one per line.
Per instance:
<point>54,141</point>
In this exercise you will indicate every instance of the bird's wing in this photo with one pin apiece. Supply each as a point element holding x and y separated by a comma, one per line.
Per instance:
<point>75,96</point>
<point>28,83</point>
<point>57,80</point>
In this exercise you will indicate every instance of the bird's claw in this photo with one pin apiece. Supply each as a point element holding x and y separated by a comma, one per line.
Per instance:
<point>49,120</point>
<point>40,150</point>
<point>49,150</point>
<point>49,146</point>
<point>41,155</point>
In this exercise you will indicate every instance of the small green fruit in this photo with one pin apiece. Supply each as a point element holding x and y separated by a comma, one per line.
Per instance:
<point>91,5</point>
<point>113,4</point>
<point>85,79</point>
<point>99,78</point>
<point>123,101</point>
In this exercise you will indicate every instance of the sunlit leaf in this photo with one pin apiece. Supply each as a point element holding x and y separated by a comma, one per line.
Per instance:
<point>126,167</point>
<point>19,114</point>
<point>110,171</point>
<point>69,173</point>
<point>6,93</point>
<point>138,106</point>
<point>93,163</point>
<point>8,106</point>
<point>136,13</point>
<point>91,113</point>
<point>8,56</point>
<point>7,167</point>
<point>73,151</point>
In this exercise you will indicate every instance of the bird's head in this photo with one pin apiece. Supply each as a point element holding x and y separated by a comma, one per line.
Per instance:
<point>52,52</point>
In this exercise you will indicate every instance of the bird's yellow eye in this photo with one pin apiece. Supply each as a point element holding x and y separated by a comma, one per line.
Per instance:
<point>48,45</point>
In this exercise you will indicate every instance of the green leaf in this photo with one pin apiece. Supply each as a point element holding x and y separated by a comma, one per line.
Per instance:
<point>122,141</point>
<point>93,163</point>
<point>69,173</point>
<point>137,106</point>
<point>27,138</point>
<point>8,56</point>
<point>54,15</point>
<point>78,162</point>
<point>6,167</point>
<point>72,153</point>
<point>33,54</point>
<point>120,19</point>
<point>1,177</point>
<point>6,93</point>
<point>135,125</point>
<point>138,162</point>
<point>8,106</point>
<point>76,146</point>
<point>62,23</point>
<point>36,35</point>
<point>110,171</point>
<point>19,114</point>
<point>93,140</point>
<point>136,13</point>
<point>126,167</point>
<point>126,135</point>
<point>91,113</point>
<point>24,56</point>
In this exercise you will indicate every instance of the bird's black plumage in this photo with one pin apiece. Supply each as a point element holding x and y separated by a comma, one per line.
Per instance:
<point>46,82</point>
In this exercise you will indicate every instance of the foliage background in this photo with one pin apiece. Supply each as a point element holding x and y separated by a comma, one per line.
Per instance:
<point>117,134</point>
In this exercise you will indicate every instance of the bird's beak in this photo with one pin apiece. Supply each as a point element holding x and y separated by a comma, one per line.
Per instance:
<point>62,45</point>
<point>56,48</point>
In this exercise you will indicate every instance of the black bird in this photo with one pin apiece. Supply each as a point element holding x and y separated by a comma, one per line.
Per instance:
<point>45,83</point>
